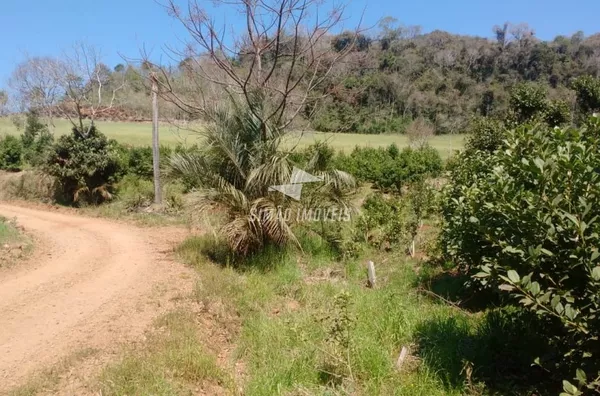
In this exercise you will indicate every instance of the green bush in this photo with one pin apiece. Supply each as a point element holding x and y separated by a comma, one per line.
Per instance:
<point>390,169</point>
<point>524,221</point>
<point>140,162</point>
<point>364,163</point>
<point>485,134</point>
<point>383,222</point>
<point>86,166</point>
<point>11,153</point>
<point>527,101</point>
<point>135,192</point>
<point>37,140</point>
<point>557,113</point>
<point>588,94</point>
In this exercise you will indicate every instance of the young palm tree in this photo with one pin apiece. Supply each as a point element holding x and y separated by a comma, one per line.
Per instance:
<point>241,159</point>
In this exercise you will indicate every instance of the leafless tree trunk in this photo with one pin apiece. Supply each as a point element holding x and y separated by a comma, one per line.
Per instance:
<point>155,142</point>
<point>282,53</point>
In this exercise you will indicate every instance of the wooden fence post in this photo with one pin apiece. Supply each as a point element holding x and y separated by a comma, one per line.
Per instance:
<point>371,274</point>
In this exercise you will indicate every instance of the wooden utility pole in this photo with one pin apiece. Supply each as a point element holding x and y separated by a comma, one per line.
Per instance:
<point>155,142</point>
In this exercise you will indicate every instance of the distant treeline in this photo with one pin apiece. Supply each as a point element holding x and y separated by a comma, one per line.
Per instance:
<point>396,74</point>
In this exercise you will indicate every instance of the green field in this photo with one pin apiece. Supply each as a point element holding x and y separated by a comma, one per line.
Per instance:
<point>140,134</point>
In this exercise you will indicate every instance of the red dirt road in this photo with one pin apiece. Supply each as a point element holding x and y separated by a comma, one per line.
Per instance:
<point>91,283</point>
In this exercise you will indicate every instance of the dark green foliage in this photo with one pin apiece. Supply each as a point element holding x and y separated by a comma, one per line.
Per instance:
<point>322,156</point>
<point>36,140</point>
<point>527,101</point>
<point>496,351</point>
<point>485,134</point>
<point>358,42</point>
<point>557,113</point>
<point>364,163</point>
<point>523,221</point>
<point>390,169</point>
<point>140,162</point>
<point>447,79</point>
<point>588,94</point>
<point>86,166</point>
<point>11,153</point>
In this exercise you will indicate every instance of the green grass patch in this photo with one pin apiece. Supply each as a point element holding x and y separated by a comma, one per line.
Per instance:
<point>173,361</point>
<point>14,245</point>
<point>8,231</point>
<point>289,317</point>
<point>305,323</point>
<point>140,134</point>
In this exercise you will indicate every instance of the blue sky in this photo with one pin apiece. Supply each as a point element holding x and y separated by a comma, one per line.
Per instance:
<point>46,27</point>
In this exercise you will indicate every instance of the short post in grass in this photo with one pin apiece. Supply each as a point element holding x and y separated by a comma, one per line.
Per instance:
<point>371,274</point>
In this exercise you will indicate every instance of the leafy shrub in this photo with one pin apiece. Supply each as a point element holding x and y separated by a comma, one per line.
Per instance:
<point>36,139</point>
<point>557,113</point>
<point>390,169</point>
<point>485,134</point>
<point>588,94</point>
<point>410,166</point>
<point>135,192</point>
<point>383,222</point>
<point>85,165</point>
<point>364,163</point>
<point>140,162</point>
<point>11,153</point>
<point>320,152</point>
<point>524,221</point>
<point>527,101</point>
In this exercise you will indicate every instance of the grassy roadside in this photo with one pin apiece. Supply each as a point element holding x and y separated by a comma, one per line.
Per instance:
<point>303,324</point>
<point>13,244</point>
<point>294,323</point>
<point>174,361</point>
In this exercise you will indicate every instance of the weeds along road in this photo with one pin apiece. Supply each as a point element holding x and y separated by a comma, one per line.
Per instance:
<point>91,283</point>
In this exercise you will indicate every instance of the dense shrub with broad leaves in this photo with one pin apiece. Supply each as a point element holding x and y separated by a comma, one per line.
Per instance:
<point>86,166</point>
<point>525,221</point>
<point>389,168</point>
<point>11,153</point>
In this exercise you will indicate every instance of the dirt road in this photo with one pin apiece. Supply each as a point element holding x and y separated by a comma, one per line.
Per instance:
<point>91,283</point>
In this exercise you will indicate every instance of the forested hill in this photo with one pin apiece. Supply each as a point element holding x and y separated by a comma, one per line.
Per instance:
<point>400,75</point>
<point>393,79</point>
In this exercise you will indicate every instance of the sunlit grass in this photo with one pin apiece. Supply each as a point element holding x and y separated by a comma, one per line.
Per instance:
<point>172,359</point>
<point>140,134</point>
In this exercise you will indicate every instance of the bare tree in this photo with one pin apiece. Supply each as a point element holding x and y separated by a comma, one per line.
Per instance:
<point>76,87</point>
<point>283,53</point>
<point>419,132</point>
<point>86,84</point>
<point>36,84</point>
<point>522,34</point>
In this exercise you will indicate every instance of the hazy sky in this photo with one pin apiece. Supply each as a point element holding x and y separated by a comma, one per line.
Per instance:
<point>46,27</point>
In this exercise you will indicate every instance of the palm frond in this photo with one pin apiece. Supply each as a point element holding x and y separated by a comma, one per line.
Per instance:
<point>277,170</point>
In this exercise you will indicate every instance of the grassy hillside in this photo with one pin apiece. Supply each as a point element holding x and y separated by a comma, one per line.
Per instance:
<point>140,134</point>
